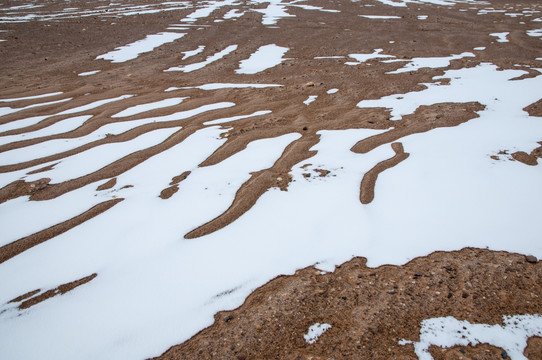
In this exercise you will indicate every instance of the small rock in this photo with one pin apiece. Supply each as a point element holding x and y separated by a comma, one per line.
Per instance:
<point>462,351</point>
<point>504,355</point>
<point>228,318</point>
<point>310,83</point>
<point>531,259</point>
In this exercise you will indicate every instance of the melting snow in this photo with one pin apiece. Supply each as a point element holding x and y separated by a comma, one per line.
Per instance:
<point>239,117</point>
<point>448,332</point>
<point>32,97</point>
<point>88,73</point>
<point>501,37</point>
<point>133,50</point>
<point>310,99</point>
<point>191,53</point>
<point>382,17</point>
<point>265,57</point>
<point>364,57</point>
<point>137,109</point>
<point>430,62</point>
<point>93,105</point>
<point>211,59</point>
<point>217,86</point>
<point>59,127</point>
<point>315,331</point>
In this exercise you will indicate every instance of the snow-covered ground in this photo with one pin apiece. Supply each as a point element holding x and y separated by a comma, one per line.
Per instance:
<point>175,285</point>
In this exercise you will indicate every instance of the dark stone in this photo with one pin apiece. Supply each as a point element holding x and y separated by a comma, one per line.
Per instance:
<point>228,318</point>
<point>504,355</point>
<point>531,259</point>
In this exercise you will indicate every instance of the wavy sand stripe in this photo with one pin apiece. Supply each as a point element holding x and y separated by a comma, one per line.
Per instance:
<point>258,184</point>
<point>19,246</point>
<point>425,118</point>
<point>367,188</point>
<point>60,290</point>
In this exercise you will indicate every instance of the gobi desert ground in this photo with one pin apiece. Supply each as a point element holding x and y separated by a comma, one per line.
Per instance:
<point>278,179</point>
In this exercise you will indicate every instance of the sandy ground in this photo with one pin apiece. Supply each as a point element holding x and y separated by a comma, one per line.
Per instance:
<point>370,309</point>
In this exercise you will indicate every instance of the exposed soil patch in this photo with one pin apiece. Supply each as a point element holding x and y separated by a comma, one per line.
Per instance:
<point>371,309</point>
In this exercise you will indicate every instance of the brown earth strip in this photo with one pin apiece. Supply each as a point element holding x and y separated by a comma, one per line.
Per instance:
<point>60,290</point>
<point>169,191</point>
<point>177,179</point>
<point>535,109</point>
<point>371,309</point>
<point>258,184</point>
<point>25,296</point>
<point>45,168</point>
<point>367,187</point>
<point>19,246</point>
<point>22,188</point>
<point>107,185</point>
<point>425,118</point>
<point>529,159</point>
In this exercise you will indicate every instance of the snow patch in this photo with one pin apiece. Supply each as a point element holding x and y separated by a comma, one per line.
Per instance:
<point>133,50</point>
<point>315,331</point>
<point>447,332</point>
<point>264,58</point>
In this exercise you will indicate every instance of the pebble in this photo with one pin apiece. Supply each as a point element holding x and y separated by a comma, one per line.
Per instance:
<point>531,259</point>
<point>228,318</point>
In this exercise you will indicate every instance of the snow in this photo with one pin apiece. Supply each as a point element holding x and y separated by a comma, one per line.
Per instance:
<point>32,97</point>
<point>501,37</point>
<point>264,58</point>
<point>332,91</point>
<point>133,50</point>
<point>138,250</point>
<point>364,57</point>
<point>210,59</point>
<point>238,117</point>
<point>232,14</point>
<point>94,105</point>
<point>17,124</point>
<point>9,110</point>
<point>218,86</point>
<point>191,53</point>
<point>310,99</point>
<point>206,10</point>
<point>430,62</point>
<point>535,33</point>
<point>57,146</point>
<point>59,127</point>
<point>88,73</point>
<point>315,331</point>
<point>480,48</point>
<point>448,332</point>
<point>119,264</point>
<point>422,17</point>
<point>98,157</point>
<point>137,109</point>
<point>275,11</point>
<point>381,17</point>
